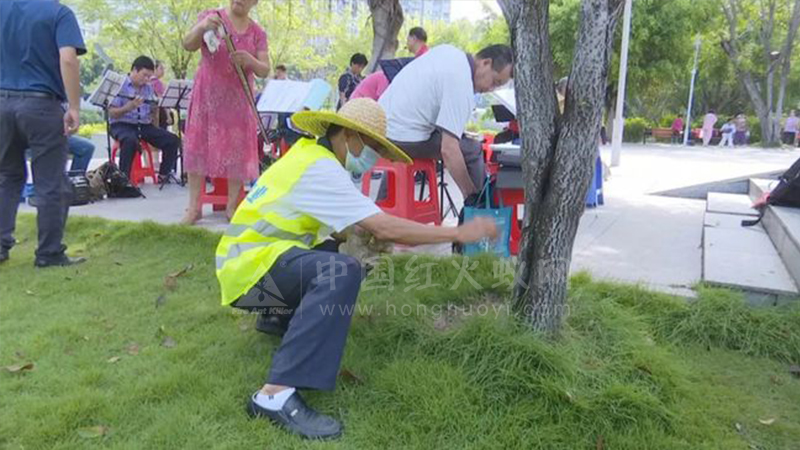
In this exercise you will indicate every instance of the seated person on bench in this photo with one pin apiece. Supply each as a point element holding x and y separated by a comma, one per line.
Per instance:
<point>431,100</point>
<point>134,115</point>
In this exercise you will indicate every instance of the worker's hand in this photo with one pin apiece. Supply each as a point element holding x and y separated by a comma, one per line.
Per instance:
<point>477,229</point>
<point>211,22</point>
<point>72,120</point>
<point>135,103</point>
<point>243,59</point>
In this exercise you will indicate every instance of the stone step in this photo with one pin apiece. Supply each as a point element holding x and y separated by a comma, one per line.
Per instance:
<point>744,258</point>
<point>730,204</point>
<point>739,257</point>
<point>782,225</point>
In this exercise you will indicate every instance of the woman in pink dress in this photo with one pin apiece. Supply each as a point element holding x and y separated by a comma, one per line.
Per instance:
<point>221,129</point>
<point>708,126</point>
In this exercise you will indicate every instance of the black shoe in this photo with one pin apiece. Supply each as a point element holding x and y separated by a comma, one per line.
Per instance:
<point>270,325</point>
<point>3,254</point>
<point>298,418</point>
<point>60,261</point>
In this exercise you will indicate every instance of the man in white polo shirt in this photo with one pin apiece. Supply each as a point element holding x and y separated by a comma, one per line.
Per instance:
<point>431,100</point>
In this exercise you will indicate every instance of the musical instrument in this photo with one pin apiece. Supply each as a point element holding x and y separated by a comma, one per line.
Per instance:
<point>149,101</point>
<point>242,78</point>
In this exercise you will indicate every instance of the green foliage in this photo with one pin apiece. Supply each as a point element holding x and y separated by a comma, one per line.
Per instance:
<point>89,130</point>
<point>666,121</point>
<point>154,28</point>
<point>91,117</point>
<point>634,129</point>
<point>92,68</point>
<point>632,369</point>
<point>754,126</point>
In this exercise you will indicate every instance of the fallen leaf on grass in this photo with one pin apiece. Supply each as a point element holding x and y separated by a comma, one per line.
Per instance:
<point>775,380</point>
<point>170,283</point>
<point>350,377</point>
<point>171,280</point>
<point>168,342</point>
<point>766,421</point>
<point>86,338</point>
<point>795,370</point>
<point>133,349</point>
<point>181,272</point>
<point>161,299</point>
<point>19,368</point>
<point>738,427</point>
<point>114,359</point>
<point>93,432</point>
<point>29,292</point>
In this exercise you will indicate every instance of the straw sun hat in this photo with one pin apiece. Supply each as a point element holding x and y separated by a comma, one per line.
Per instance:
<point>363,115</point>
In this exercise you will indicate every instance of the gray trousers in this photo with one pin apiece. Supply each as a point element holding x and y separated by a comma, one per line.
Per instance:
<point>38,124</point>
<point>318,290</point>
<point>432,148</point>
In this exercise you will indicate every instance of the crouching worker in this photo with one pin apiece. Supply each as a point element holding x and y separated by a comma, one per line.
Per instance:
<point>267,261</point>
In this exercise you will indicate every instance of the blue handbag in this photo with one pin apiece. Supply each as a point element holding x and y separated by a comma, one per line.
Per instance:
<point>502,218</point>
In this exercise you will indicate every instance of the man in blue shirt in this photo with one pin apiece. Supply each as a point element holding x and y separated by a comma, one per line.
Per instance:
<point>134,116</point>
<point>39,46</point>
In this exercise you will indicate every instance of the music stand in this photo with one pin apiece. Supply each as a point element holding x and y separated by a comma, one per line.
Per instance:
<point>102,96</point>
<point>177,96</point>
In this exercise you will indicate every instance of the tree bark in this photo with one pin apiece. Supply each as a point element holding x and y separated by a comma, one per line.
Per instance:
<point>387,19</point>
<point>558,150</point>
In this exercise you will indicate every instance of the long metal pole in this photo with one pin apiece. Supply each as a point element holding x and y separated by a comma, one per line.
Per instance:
<point>619,122</point>
<point>688,126</point>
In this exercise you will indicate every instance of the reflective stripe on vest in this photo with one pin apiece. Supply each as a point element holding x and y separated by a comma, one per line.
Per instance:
<point>261,231</point>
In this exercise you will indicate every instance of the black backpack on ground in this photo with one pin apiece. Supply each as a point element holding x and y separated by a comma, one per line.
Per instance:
<point>785,193</point>
<point>117,183</point>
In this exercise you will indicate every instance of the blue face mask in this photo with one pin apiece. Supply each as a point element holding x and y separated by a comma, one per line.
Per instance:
<point>362,163</point>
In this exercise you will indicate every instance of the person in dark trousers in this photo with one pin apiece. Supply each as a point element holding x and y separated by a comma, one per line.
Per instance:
<point>39,46</point>
<point>133,114</point>
<point>351,77</point>
<point>273,259</point>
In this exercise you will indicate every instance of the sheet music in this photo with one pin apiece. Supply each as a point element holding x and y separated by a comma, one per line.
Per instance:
<point>288,96</point>
<point>108,88</point>
<point>177,89</point>
<point>507,98</point>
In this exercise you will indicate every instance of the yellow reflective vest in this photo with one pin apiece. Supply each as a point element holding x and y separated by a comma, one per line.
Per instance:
<point>260,231</point>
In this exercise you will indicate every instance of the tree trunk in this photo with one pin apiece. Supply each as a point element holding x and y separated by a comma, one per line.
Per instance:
<point>558,151</point>
<point>769,110</point>
<point>387,19</point>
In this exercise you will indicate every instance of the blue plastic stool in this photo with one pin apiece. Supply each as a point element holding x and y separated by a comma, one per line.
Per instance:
<point>594,197</point>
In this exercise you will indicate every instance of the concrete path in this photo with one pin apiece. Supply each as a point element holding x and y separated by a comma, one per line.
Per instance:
<point>636,237</point>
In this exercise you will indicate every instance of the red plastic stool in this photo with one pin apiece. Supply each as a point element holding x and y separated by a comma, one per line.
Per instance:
<point>218,197</point>
<point>401,199</point>
<point>138,170</point>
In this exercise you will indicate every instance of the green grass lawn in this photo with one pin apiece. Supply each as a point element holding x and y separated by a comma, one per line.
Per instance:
<point>123,359</point>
